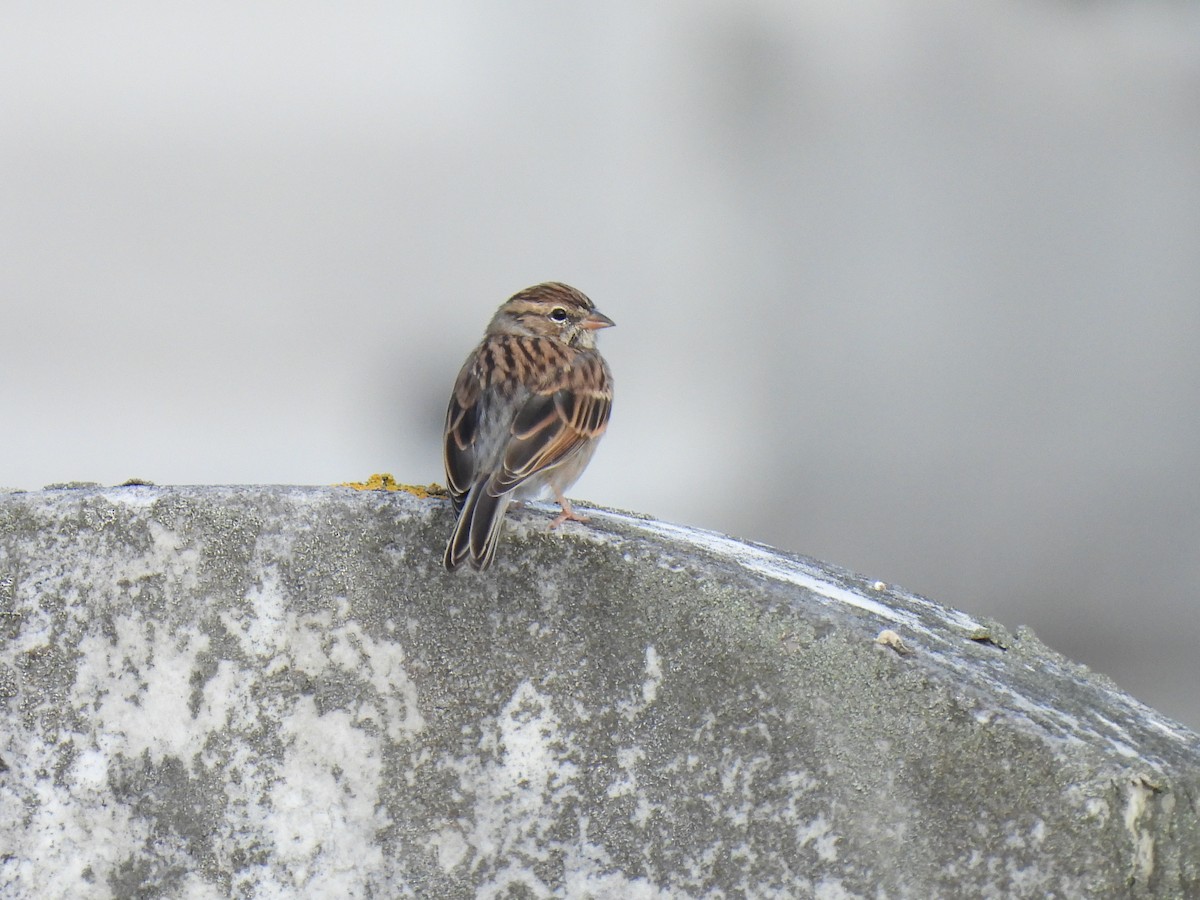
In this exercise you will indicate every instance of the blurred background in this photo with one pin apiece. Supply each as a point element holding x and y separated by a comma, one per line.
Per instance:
<point>912,287</point>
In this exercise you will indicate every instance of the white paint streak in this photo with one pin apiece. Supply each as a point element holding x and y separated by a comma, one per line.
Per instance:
<point>1136,806</point>
<point>654,676</point>
<point>770,564</point>
<point>325,805</point>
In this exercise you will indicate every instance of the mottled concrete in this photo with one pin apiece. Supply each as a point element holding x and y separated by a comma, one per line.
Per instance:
<point>277,692</point>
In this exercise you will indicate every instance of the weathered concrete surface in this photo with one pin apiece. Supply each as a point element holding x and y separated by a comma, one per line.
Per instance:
<point>277,692</point>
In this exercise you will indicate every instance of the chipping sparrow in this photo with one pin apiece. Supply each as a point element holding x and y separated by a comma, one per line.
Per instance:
<point>528,409</point>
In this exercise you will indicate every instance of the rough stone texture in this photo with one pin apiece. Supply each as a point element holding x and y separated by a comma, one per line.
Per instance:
<point>277,692</point>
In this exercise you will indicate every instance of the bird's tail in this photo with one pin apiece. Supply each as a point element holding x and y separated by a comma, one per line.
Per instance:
<point>477,531</point>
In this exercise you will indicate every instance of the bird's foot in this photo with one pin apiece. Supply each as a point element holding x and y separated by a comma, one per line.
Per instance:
<point>567,514</point>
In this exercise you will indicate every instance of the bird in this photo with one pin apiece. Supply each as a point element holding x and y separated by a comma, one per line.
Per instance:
<point>527,411</point>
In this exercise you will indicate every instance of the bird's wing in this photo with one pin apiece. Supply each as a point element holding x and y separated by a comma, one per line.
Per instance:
<point>567,412</point>
<point>462,429</point>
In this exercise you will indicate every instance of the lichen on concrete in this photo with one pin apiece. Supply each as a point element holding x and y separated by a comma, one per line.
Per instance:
<point>272,691</point>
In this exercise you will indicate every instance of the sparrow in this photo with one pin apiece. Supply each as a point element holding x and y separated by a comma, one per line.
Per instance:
<point>527,411</point>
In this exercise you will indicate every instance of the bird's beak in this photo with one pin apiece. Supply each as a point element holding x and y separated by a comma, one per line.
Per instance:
<point>596,320</point>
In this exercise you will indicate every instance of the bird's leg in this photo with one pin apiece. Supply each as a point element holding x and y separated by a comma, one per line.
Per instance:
<point>567,512</point>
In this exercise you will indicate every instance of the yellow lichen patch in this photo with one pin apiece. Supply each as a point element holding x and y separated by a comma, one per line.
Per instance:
<point>386,482</point>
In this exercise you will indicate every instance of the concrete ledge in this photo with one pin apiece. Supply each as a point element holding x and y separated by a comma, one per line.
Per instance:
<point>277,692</point>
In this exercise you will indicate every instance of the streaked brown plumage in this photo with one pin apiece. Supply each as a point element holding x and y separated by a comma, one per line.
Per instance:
<point>527,411</point>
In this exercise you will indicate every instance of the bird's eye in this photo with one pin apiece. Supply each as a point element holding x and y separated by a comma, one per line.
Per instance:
<point>558,314</point>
